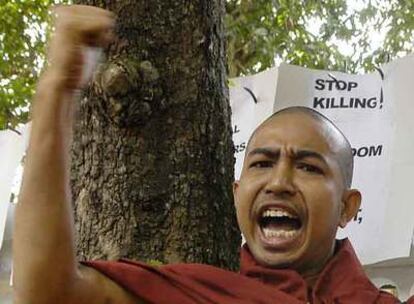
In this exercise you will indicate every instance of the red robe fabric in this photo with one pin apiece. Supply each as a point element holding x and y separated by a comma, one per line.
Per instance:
<point>342,281</point>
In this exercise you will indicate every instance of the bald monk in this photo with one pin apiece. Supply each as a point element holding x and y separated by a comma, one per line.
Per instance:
<point>293,194</point>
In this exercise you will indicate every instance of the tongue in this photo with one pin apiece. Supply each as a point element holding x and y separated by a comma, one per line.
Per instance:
<point>282,224</point>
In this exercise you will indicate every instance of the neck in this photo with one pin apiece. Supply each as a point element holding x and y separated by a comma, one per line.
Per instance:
<point>311,280</point>
<point>311,274</point>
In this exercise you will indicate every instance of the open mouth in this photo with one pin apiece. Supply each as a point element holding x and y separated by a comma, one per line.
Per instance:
<point>279,226</point>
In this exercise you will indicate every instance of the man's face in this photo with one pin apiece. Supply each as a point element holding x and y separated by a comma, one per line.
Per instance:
<point>288,198</point>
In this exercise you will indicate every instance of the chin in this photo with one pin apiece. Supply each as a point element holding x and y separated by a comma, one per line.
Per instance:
<point>279,260</point>
<point>280,255</point>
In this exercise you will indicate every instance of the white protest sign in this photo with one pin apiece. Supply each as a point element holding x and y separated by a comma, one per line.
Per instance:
<point>251,101</point>
<point>12,146</point>
<point>375,114</point>
<point>400,208</point>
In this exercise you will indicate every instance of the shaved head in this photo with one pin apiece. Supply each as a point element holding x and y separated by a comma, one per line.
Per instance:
<point>300,163</point>
<point>337,140</point>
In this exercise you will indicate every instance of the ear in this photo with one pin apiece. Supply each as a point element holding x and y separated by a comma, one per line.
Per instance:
<point>235,188</point>
<point>351,201</point>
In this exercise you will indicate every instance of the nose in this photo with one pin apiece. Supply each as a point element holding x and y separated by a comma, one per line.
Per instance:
<point>280,180</point>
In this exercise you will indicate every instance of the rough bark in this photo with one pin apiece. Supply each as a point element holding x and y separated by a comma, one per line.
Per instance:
<point>152,156</point>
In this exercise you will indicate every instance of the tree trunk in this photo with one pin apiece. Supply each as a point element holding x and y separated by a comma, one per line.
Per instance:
<point>152,156</point>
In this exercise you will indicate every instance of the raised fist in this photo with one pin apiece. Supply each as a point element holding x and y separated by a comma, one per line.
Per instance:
<point>78,30</point>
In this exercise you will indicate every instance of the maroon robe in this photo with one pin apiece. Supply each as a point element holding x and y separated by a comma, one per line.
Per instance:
<point>341,281</point>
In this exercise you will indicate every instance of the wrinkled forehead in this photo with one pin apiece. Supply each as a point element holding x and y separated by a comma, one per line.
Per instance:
<point>296,131</point>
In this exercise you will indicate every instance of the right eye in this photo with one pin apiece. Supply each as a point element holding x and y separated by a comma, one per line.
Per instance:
<point>262,164</point>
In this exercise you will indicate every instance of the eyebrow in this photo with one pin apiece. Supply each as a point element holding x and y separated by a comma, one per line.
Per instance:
<point>298,155</point>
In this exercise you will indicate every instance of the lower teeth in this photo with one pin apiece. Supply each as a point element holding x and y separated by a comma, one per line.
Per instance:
<point>270,233</point>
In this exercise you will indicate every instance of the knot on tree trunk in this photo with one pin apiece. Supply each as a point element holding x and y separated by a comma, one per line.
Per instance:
<point>130,91</point>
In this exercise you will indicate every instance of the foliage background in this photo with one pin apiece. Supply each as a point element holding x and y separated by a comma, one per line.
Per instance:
<point>260,34</point>
<point>23,27</point>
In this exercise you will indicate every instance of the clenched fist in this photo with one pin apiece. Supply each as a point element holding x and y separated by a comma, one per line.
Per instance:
<point>78,30</point>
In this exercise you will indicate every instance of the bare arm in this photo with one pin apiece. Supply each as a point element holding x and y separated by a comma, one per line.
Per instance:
<point>45,266</point>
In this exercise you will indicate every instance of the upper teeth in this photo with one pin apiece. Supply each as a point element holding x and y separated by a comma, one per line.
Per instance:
<point>277,213</point>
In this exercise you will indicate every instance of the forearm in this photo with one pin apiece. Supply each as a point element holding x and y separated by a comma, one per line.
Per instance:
<point>44,258</point>
<point>45,267</point>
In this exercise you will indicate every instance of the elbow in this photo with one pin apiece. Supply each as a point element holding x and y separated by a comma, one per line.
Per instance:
<point>29,298</point>
<point>44,295</point>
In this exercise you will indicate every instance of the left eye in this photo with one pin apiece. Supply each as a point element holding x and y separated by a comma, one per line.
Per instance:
<point>261,164</point>
<point>310,168</point>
